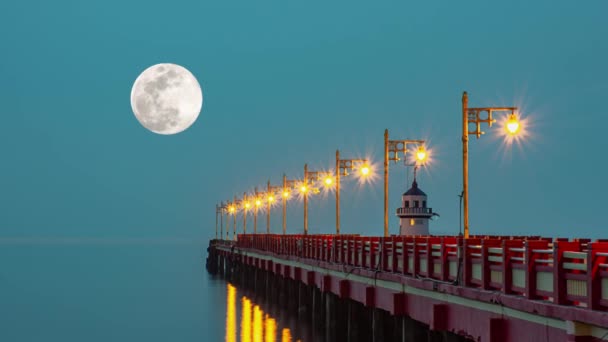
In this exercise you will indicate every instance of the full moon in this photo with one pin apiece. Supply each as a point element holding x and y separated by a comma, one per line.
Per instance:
<point>166,98</point>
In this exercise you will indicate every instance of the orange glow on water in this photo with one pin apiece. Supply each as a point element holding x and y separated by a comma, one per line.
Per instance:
<point>231,314</point>
<point>271,329</point>
<point>246,320</point>
<point>285,335</point>
<point>255,326</point>
<point>258,328</point>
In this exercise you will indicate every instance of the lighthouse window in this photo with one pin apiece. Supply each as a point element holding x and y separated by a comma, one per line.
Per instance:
<point>424,204</point>
<point>416,204</point>
<point>407,204</point>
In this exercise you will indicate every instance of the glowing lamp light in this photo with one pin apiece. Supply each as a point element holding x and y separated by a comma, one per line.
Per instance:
<point>303,189</point>
<point>258,203</point>
<point>285,194</point>
<point>270,199</point>
<point>247,205</point>
<point>231,209</point>
<point>512,125</point>
<point>365,171</point>
<point>328,181</point>
<point>421,154</point>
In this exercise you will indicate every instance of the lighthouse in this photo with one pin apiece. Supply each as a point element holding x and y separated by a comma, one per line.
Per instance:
<point>414,213</point>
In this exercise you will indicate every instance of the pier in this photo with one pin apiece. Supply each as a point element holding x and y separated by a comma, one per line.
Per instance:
<point>428,288</point>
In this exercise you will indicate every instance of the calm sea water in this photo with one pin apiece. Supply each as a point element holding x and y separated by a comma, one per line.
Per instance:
<point>113,291</point>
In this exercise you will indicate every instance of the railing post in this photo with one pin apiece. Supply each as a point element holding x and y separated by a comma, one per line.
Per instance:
<point>416,262</point>
<point>443,260</point>
<point>404,255</point>
<point>394,262</point>
<point>360,253</point>
<point>594,285</point>
<point>559,284</point>
<point>356,251</point>
<point>349,258</point>
<point>530,265</point>
<point>372,254</point>
<point>337,249</point>
<point>486,270</point>
<point>383,251</point>
<point>466,263</point>
<point>507,275</point>
<point>429,258</point>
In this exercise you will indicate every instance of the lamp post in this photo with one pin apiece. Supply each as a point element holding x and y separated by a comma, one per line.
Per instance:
<point>304,189</point>
<point>392,148</point>
<point>473,115</point>
<point>222,208</point>
<point>231,211</point>
<point>256,203</point>
<point>216,212</point>
<point>234,209</point>
<point>270,198</point>
<point>288,185</point>
<point>246,207</point>
<point>342,168</point>
<point>311,176</point>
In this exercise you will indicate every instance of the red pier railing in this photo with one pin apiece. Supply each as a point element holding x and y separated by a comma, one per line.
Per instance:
<point>565,272</point>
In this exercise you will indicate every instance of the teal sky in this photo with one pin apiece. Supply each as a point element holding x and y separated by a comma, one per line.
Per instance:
<point>288,82</point>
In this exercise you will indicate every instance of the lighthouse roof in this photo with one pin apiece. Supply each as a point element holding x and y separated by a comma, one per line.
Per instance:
<point>414,190</point>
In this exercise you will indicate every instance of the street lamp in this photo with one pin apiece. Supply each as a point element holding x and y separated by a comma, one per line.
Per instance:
<point>342,168</point>
<point>257,202</point>
<point>312,176</point>
<point>472,116</point>
<point>392,148</point>
<point>246,206</point>
<point>231,211</point>
<point>221,208</point>
<point>270,198</point>
<point>234,209</point>
<point>216,212</point>
<point>288,185</point>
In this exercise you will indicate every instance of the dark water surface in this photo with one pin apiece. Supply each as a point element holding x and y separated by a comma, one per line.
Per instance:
<point>109,291</point>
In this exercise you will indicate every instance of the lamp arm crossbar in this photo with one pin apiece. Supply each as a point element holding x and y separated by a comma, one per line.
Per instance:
<point>348,164</point>
<point>396,146</point>
<point>314,176</point>
<point>473,117</point>
<point>291,184</point>
<point>492,109</point>
<point>273,188</point>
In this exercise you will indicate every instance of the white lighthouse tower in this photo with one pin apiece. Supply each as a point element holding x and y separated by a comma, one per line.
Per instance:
<point>414,214</point>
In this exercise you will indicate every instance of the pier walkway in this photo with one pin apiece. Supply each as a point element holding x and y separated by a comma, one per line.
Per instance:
<point>491,288</point>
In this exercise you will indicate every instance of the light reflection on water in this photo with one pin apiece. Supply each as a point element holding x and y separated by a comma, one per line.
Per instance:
<point>231,314</point>
<point>256,325</point>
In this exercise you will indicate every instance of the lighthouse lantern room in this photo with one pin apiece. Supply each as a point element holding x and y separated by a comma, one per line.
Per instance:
<point>414,213</point>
